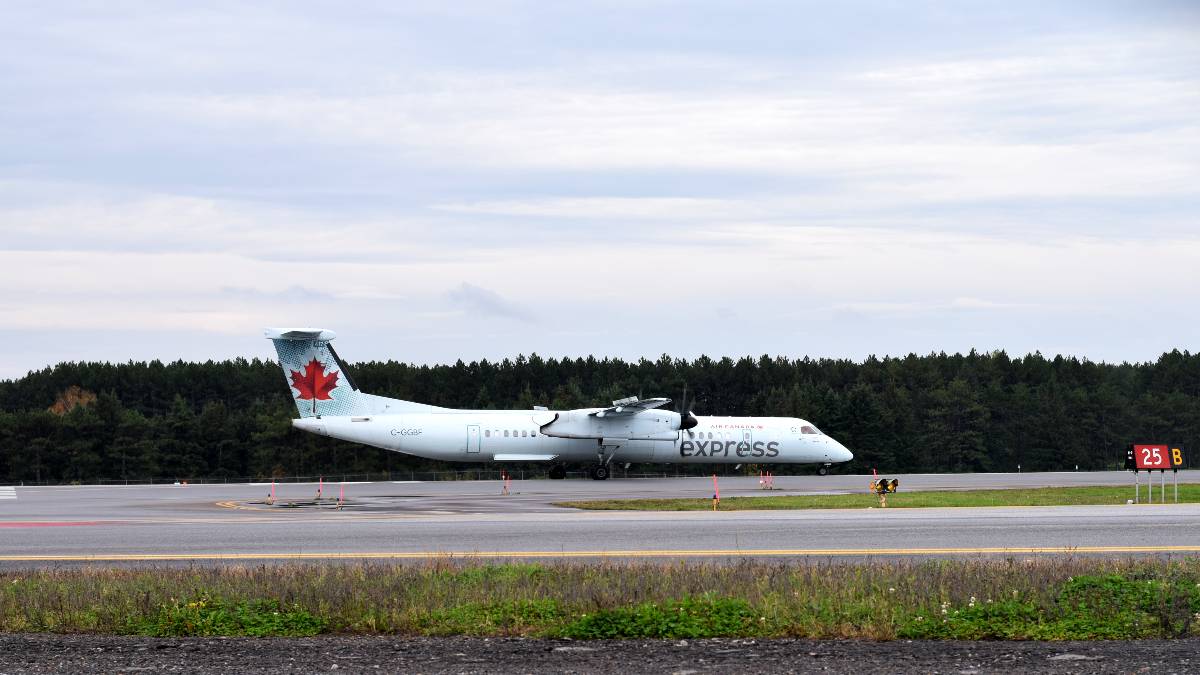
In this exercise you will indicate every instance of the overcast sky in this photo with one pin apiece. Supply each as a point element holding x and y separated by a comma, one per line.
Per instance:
<point>479,180</point>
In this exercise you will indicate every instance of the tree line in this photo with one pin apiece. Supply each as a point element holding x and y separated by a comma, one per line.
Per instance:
<point>934,413</point>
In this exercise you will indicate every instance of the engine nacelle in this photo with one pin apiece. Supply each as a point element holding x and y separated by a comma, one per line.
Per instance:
<point>647,425</point>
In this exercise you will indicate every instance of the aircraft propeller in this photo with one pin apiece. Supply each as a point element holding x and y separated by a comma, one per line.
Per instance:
<point>687,419</point>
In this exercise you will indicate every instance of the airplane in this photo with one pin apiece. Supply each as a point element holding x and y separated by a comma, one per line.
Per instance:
<point>630,430</point>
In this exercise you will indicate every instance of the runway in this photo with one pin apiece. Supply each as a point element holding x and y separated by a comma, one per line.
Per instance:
<point>227,524</point>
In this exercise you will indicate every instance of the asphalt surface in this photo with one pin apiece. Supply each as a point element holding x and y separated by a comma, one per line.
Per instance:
<point>90,653</point>
<point>218,524</point>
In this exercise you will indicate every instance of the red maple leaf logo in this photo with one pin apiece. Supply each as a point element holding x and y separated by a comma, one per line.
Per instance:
<point>315,383</point>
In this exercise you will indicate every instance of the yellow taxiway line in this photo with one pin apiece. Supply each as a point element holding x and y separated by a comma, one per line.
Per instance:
<point>687,553</point>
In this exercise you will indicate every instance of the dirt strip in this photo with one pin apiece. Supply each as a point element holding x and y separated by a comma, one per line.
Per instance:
<point>40,653</point>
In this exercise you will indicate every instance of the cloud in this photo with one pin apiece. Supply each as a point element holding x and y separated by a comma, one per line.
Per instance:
<point>1085,120</point>
<point>953,305</point>
<point>292,295</point>
<point>475,300</point>
<point>951,178</point>
<point>612,208</point>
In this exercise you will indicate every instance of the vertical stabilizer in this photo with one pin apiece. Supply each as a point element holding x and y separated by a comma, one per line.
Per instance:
<point>318,382</point>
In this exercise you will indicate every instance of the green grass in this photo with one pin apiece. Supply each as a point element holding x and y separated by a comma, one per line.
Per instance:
<point>898,500</point>
<point>1052,598</point>
<point>205,616</point>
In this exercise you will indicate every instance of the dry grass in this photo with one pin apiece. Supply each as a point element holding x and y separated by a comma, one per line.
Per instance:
<point>872,600</point>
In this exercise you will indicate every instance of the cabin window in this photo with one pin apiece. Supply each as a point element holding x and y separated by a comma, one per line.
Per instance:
<point>710,435</point>
<point>506,433</point>
<point>522,434</point>
<point>806,429</point>
<point>487,433</point>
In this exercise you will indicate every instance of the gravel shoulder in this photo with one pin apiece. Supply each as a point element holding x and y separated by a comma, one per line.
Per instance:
<point>40,653</point>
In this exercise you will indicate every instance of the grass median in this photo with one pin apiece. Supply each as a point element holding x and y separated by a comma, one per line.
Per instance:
<point>1060,597</point>
<point>1066,496</point>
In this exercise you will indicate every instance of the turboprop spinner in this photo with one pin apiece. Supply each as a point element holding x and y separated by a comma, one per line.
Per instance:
<point>687,419</point>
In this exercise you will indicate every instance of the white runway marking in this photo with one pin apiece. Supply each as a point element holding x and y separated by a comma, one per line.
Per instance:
<point>8,493</point>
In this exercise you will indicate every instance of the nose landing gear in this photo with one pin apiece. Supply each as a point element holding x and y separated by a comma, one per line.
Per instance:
<point>824,469</point>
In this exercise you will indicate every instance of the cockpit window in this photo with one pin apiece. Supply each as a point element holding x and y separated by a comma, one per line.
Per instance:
<point>808,429</point>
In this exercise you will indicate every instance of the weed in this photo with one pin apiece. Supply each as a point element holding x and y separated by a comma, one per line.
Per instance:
<point>1105,607</point>
<point>209,617</point>
<point>686,618</point>
<point>1112,605</point>
<point>1008,619</point>
<point>500,618</point>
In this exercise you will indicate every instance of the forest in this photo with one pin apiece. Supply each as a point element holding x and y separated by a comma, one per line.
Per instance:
<point>228,420</point>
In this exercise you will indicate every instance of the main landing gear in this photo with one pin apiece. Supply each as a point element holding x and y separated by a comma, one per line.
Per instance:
<point>598,472</point>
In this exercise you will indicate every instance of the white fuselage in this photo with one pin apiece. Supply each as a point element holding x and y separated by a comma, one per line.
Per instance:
<point>517,435</point>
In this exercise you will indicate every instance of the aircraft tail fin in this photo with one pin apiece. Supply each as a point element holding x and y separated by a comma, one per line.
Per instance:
<point>318,379</point>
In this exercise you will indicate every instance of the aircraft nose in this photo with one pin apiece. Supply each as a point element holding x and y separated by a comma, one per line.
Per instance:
<point>841,453</point>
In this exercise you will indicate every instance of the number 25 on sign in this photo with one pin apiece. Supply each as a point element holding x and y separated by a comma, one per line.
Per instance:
<point>1157,457</point>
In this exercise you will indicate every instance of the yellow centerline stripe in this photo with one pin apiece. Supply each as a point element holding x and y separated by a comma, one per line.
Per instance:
<point>692,553</point>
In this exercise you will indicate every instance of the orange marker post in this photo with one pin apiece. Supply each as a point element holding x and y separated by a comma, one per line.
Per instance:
<point>716,493</point>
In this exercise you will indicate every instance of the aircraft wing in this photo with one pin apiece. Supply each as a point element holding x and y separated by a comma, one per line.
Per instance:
<point>630,406</point>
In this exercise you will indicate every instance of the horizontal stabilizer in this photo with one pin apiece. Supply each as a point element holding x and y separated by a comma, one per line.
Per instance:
<point>321,334</point>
